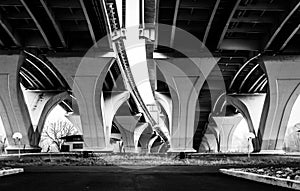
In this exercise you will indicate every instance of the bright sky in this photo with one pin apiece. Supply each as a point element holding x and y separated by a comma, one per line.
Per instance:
<point>240,137</point>
<point>294,117</point>
<point>58,113</point>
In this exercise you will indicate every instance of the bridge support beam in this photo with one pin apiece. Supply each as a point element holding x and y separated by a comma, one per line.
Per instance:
<point>112,103</point>
<point>251,107</point>
<point>284,88</point>
<point>185,77</point>
<point>209,143</point>
<point>13,109</point>
<point>128,126</point>
<point>144,138</point>
<point>226,126</point>
<point>39,105</point>
<point>86,76</point>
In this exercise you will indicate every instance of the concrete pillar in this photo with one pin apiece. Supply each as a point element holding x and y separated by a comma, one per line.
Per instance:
<point>13,109</point>
<point>185,77</point>
<point>86,76</point>
<point>145,138</point>
<point>209,143</point>
<point>127,126</point>
<point>251,107</point>
<point>210,139</point>
<point>166,103</point>
<point>284,88</point>
<point>151,144</point>
<point>139,130</point>
<point>226,126</point>
<point>112,103</point>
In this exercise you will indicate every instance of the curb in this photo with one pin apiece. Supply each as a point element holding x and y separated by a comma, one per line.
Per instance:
<point>11,171</point>
<point>292,184</point>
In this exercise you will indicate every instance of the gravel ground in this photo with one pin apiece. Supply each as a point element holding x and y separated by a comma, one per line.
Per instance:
<point>292,173</point>
<point>5,168</point>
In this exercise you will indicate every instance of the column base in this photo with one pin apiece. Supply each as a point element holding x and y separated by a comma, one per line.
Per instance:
<point>178,150</point>
<point>271,152</point>
<point>27,149</point>
<point>130,149</point>
<point>98,150</point>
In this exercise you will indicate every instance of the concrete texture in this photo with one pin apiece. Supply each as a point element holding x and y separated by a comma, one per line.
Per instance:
<point>263,178</point>
<point>284,81</point>
<point>11,171</point>
<point>185,78</point>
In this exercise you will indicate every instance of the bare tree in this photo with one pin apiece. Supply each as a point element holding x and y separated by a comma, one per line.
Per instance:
<point>54,131</point>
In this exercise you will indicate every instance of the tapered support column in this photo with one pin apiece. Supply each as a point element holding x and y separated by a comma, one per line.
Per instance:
<point>140,128</point>
<point>127,126</point>
<point>112,103</point>
<point>145,138</point>
<point>284,88</point>
<point>13,109</point>
<point>251,107</point>
<point>211,137</point>
<point>209,143</point>
<point>165,102</point>
<point>86,76</point>
<point>226,126</point>
<point>185,77</point>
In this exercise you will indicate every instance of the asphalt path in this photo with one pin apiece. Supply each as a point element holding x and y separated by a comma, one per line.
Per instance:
<point>64,178</point>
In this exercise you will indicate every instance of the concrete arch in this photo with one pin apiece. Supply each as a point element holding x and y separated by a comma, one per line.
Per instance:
<point>184,89</point>
<point>6,122</point>
<point>111,104</point>
<point>145,139</point>
<point>87,88</point>
<point>287,112</point>
<point>166,103</point>
<point>86,75</point>
<point>47,108</point>
<point>244,111</point>
<point>17,117</point>
<point>251,107</point>
<point>218,103</point>
<point>231,132</point>
<point>226,125</point>
<point>139,130</point>
<point>127,126</point>
<point>150,144</point>
<point>185,78</point>
<point>283,81</point>
<point>51,68</point>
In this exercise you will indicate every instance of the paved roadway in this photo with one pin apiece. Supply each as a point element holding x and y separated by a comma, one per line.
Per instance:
<point>115,178</point>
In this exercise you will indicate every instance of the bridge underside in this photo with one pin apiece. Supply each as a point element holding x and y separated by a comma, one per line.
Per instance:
<point>212,65</point>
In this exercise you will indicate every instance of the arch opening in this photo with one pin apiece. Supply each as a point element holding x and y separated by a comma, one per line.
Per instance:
<point>240,141</point>
<point>56,126</point>
<point>291,141</point>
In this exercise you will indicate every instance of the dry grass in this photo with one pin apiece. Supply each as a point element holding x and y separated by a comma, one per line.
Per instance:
<point>148,160</point>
